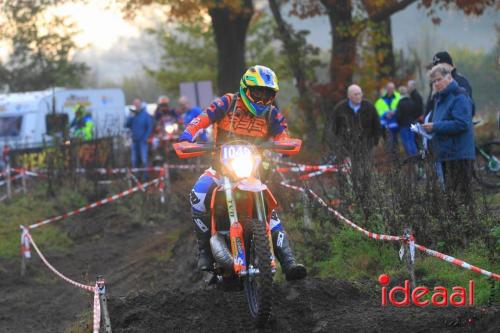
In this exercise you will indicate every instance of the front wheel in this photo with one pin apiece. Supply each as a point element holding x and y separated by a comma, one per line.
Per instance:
<point>487,164</point>
<point>259,288</point>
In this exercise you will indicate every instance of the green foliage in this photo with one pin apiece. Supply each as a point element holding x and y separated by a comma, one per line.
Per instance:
<point>262,47</point>
<point>481,69</point>
<point>42,48</point>
<point>354,256</point>
<point>190,53</point>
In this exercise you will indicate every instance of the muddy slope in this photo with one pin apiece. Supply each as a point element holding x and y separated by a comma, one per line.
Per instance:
<point>310,306</point>
<point>153,287</point>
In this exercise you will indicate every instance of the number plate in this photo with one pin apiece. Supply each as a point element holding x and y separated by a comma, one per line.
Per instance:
<point>229,152</point>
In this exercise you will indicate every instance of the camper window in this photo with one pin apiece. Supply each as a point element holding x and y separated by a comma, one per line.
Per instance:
<point>10,126</point>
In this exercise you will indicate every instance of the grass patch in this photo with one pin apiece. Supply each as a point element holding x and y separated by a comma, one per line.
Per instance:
<point>28,209</point>
<point>330,250</point>
<point>432,271</point>
<point>83,324</point>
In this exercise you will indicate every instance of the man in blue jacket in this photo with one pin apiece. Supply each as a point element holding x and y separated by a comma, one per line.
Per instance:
<point>141,126</point>
<point>444,57</point>
<point>450,123</point>
<point>188,113</point>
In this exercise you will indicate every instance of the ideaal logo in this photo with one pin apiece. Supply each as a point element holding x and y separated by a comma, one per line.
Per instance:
<point>458,297</point>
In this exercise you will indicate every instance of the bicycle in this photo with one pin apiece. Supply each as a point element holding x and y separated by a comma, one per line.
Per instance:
<point>487,164</point>
<point>486,169</point>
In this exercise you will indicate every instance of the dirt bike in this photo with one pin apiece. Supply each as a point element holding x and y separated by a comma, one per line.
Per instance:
<point>241,208</point>
<point>166,133</point>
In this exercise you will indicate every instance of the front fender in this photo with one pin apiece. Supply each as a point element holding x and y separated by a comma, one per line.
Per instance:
<point>251,185</point>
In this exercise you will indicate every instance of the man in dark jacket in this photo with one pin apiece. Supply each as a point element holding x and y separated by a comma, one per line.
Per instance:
<point>418,101</point>
<point>452,144</point>
<point>444,57</point>
<point>141,126</point>
<point>355,127</point>
<point>405,116</point>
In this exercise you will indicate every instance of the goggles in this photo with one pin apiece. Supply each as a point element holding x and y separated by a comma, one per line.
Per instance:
<point>261,95</point>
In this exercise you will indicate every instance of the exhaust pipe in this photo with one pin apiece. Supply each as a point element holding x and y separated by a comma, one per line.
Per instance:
<point>221,252</point>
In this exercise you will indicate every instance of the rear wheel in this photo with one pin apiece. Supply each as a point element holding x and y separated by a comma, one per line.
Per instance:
<point>259,288</point>
<point>487,164</point>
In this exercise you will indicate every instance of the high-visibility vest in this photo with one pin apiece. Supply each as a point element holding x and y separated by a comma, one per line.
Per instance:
<point>383,108</point>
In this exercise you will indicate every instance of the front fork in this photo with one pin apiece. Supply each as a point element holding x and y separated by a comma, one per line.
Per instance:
<point>236,229</point>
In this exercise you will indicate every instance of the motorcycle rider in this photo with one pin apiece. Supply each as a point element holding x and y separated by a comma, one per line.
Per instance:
<point>163,110</point>
<point>163,115</point>
<point>249,115</point>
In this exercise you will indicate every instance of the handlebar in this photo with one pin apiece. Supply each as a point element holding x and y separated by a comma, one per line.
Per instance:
<point>188,150</point>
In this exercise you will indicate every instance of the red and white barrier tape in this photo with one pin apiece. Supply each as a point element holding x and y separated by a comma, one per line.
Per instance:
<point>457,262</point>
<point>125,170</point>
<point>105,171</point>
<point>93,205</point>
<point>376,236</point>
<point>12,178</point>
<point>317,173</point>
<point>352,224</point>
<point>305,168</point>
<point>76,284</point>
<point>94,289</point>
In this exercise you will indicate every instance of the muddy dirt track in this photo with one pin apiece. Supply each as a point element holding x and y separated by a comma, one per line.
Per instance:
<point>153,287</point>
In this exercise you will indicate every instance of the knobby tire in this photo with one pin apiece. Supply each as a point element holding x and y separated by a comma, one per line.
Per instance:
<point>259,289</point>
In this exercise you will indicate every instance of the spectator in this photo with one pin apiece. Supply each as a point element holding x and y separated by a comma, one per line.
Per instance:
<point>82,125</point>
<point>355,124</point>
<point>418,101</point>
<point>141,126</point>
<point>386,107</point>
<point>188,113</point>
<point>405,116</point>
<point>444,57</point>
<point>452,144</point>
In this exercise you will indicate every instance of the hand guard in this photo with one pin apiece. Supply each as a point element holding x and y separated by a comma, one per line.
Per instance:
<point>186,136</point>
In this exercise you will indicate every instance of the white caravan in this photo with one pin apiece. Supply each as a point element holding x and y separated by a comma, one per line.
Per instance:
<point>24,117</point>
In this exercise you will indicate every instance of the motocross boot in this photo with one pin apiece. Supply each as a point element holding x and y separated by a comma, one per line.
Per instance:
<point>282,250</point>
<point>202,230</point>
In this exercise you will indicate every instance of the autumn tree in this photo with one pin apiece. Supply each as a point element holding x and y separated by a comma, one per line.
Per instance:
<point>348,19</point>
<point>302,65</point>
<point>42,48</point>
<point>190,52</point>
<point>230,20</point>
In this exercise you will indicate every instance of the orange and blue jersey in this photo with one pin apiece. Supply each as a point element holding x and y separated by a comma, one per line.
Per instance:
<point>235,119</point>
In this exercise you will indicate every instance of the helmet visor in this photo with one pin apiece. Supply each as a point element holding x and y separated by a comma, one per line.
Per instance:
<point>261,95</point>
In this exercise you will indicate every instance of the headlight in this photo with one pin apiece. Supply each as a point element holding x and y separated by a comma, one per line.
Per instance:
<point>170,128</point>
<point>242,166</point>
